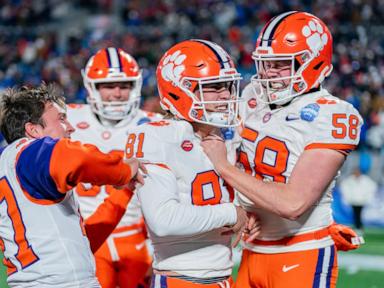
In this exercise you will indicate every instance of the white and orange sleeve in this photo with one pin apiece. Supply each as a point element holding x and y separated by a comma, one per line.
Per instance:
<point>338,127</point>
<point>166,215</point>
<point>48,168</point>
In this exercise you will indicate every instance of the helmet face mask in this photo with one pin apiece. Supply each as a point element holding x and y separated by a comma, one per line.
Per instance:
<point>286,84</point>
<point>195,85</point>
<point>301,41</point>
<point>220,112</point>
<point>112,65</point>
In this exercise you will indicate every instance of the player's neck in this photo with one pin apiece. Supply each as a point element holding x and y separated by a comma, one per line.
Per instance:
<point>107,122</point>
<point>204,130</point>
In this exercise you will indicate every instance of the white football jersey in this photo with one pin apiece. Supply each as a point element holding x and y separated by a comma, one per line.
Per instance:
<point>184,201</point>
<point>107,139</point>
<point>273,141</point>
<point>27,227</point>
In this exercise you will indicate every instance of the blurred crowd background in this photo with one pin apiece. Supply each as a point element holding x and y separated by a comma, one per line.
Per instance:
<point>51,40</point>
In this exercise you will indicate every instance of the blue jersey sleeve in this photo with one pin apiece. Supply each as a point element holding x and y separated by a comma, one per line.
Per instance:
<point>33,172</point>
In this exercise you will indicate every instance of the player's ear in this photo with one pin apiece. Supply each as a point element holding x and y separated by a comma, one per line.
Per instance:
<point>33,131</point>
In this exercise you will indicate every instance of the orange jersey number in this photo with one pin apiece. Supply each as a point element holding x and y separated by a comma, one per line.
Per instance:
<point>243,159</point>
<point>206,189</point>
<point>25,254</point>
<point>130,147</point>
<point>345,126</point>
<point>275,148</point>
<point>281,153</point>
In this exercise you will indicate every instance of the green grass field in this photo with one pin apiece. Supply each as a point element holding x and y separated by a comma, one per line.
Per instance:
<point>3,279</point>
<point>347,278</point>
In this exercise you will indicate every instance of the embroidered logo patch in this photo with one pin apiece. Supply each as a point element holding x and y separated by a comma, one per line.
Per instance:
<point>310,112</point>
<point>187,145</point>
<point>252,103</point>
<point>267,117</point>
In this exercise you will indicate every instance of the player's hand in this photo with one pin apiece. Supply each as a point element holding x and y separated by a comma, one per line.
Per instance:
<point>214,146</point>
<point>252,229</point>
<point>344,237</point>
<point>240,225</point>
<point>138,171</point>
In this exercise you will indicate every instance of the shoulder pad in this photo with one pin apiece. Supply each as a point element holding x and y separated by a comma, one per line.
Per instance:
<point>337,124</point>
<point>152,141</point>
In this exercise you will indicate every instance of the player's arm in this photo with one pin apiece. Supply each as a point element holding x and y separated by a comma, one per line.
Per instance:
<point>165,215</point>
<point>317,166</point>
<point>106,217</point>
<point>47,168</point>
<point>311,176</point>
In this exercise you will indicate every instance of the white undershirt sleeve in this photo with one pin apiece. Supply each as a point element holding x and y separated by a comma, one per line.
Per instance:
<point>166,216</point>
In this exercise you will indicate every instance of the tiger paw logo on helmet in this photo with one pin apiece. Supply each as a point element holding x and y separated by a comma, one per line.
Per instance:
<point>316,36</point>
<point>172,67</point>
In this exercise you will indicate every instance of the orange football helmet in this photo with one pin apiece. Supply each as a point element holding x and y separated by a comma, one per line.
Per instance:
<point>187,67</point>
<point>305,41</point>
<point>112,65</point>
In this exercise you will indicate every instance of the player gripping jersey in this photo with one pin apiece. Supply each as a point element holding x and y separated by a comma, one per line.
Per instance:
<point>295,139</point>
<point>185,203</point>
<point>43,239</point>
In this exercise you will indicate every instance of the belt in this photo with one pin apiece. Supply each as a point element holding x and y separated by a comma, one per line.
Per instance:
<point>294,239</point>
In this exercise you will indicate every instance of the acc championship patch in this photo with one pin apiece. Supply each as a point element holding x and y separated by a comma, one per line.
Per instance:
<point>310,112</point>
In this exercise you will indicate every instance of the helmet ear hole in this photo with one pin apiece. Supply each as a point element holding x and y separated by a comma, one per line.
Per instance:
<point>174,96</point>
<point>297,65</point>
<point>318,65</point>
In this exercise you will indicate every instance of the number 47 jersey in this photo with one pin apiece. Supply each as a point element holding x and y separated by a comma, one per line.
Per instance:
<point>273,141</point>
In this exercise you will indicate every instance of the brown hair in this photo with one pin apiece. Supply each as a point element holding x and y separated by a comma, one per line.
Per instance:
<point>19,106</point>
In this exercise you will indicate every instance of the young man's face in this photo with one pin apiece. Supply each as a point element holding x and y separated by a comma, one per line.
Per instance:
<point>115,91</point>
<point>276,69</point>
<point>215,92</point>
<point>55,121</point>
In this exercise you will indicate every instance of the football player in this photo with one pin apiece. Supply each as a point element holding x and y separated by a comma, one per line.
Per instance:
<point>113,80</point>
<point>43,238</point>
<point>296,137</point>
<point>186,205</point>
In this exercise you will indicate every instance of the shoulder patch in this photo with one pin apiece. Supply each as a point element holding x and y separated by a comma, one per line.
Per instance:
<point>310,112</point>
